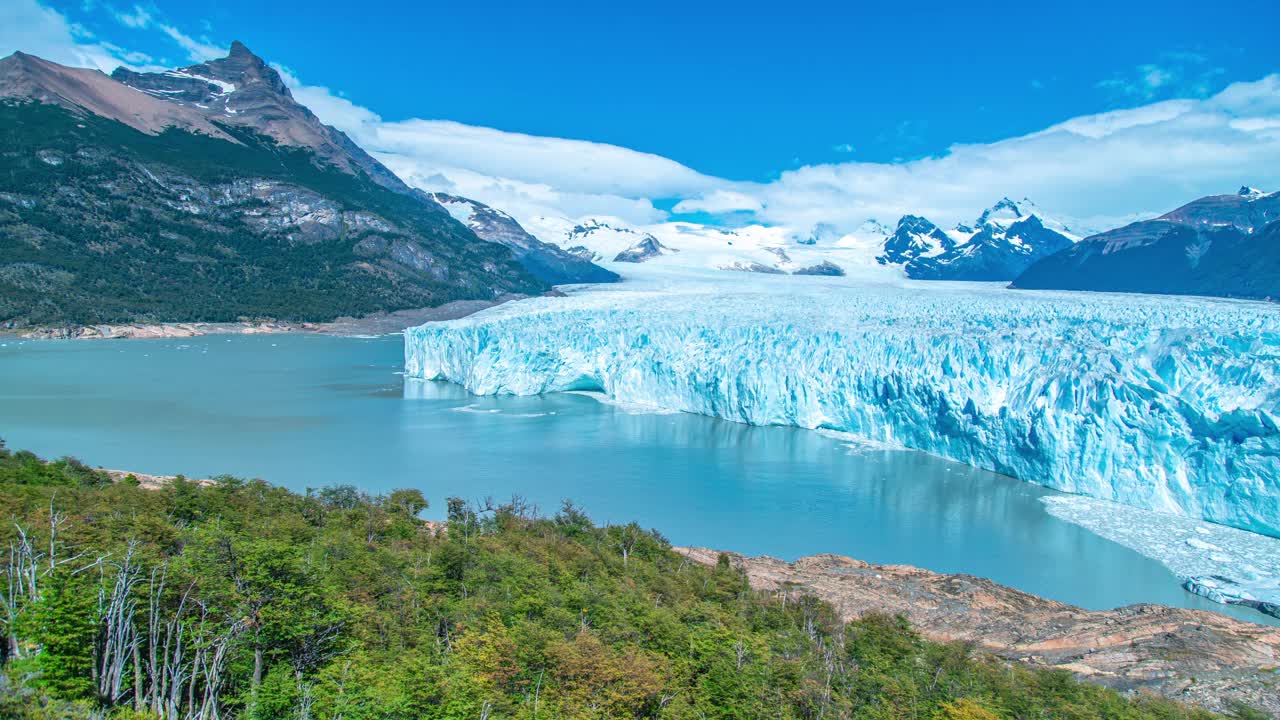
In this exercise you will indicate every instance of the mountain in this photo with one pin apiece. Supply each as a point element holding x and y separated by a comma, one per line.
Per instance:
<point>544,261</point>
<point>1007,238</point>
<point>1224,245</point>
<point>598,240</point>
<point>243,91</point>
<point>913,239</point>
<point>25,77</point>
<point>209,193</point>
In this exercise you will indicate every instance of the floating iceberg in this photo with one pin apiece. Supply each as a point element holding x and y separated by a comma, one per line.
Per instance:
<point>1226,565</point>
<point>1162,403</point>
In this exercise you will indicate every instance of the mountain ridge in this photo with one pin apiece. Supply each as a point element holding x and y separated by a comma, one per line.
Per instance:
<point>118,206</point>
<point>1006,238</point>
<point>208,193</point>
<point>544,260</point>
<point>262,101</point>
<point>1217,245</point>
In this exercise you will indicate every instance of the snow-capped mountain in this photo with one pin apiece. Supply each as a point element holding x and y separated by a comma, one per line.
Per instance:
<point>1218,245</point>
<point>822,250</point>
<point>915,238</point>
<point>1003,240</point>
<point>873,227</point>
<point>1006,239</point>
<point>545,261</point>
<point>610,241</point>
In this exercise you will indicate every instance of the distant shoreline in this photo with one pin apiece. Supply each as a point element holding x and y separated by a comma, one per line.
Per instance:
<point>376,324</point>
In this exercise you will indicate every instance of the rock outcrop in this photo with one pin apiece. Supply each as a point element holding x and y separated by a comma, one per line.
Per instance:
<point>1194,656</point>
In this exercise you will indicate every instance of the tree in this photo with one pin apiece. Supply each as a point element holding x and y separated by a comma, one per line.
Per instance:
<point>591,680</point>
<point>964,709</point>
<point>408,501</point>
<point>63,624</point>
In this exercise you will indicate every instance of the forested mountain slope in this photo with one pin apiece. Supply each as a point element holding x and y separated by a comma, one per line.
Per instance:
<point>209,194</point>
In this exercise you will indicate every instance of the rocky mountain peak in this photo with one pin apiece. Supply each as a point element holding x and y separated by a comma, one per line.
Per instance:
<point>240,50</point>
<point>81,90</point>
<point>242,89</point>
<point>241,74</point>
<point>245,69</point>
<point>17,59</point>
<point>1006,211</point>
<point>1224,245</point>
<point>915,224</point>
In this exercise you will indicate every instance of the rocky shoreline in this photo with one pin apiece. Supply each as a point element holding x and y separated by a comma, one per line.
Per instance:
<point>377,324</point>
<point>1194,656</point>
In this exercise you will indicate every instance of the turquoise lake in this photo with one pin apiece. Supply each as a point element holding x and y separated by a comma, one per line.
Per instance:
<point>308,411</point>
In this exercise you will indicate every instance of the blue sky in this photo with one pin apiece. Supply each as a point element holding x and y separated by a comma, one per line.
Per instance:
<point>739,90</point>
<point>787,115</point>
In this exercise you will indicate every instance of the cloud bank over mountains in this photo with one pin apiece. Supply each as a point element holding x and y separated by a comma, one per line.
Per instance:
<point>1100,169</point>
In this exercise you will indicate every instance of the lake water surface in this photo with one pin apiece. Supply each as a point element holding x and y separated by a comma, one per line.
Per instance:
<point>308,411</point>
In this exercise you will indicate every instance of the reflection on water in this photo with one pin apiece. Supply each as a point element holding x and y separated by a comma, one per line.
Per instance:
<point>306,411</point>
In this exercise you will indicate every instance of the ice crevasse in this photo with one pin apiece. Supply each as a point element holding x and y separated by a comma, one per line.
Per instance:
<point>1164,403</point>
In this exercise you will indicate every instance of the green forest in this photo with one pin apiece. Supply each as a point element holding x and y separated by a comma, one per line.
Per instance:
<point>101,223</point>
<point>239,599</point>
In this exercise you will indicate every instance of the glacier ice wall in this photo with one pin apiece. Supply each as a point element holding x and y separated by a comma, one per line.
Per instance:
<point>1163,403</point>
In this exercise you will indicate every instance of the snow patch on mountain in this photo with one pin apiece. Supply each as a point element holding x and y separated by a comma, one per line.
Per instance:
<point>460,209</point>
<point>1006,239</point>
<point>752,248</point>
<point>225,87</point>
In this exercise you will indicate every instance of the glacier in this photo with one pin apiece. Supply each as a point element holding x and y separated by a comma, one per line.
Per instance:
<point>1163,403</point>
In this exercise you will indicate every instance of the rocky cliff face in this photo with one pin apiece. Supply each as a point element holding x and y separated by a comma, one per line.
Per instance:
<point>209,194</point>
<point>1225,245</point>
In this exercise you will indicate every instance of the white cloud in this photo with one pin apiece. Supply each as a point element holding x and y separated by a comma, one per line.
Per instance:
<point>843,148</point>
<point>720,201</point>
<point>1103,124</point>
<point>32,28</point>
<point>138,19</point>
<point>526,175</point>
<point>28,26</point>
<point>197,50</point>
<point>1184,74</point>
<point>1102,168</point>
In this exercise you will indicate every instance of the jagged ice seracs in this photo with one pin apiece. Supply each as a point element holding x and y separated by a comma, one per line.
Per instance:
<point>1164,403</point>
